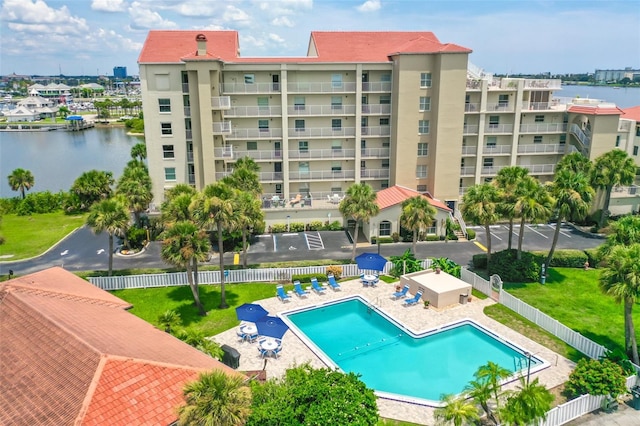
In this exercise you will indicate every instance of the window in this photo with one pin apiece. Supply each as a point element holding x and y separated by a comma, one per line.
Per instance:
<point>537,139</point>
<point>252,146</point>
<point>385,229</point>
<point>303,146</point>
<point>539,119</point>
<point>384,184</point>
<point>336,102</point>
<point>384,163</point>
<point>635,150</point>
<point>494,121</point>
<point>425,79</point>
<point>336,81</point>
<point>336,189</point>
<point>336,166</point>
<point>363,144</point>
<point>263,102</point>
<point>165,105</point>
<point>386,78</point>
<point>386,144</point>
<point>384,121</point>
<point>169,173</point>
<point>299,124</point>
<point>249,78</point>
<point>503,100</point>
<point>421,171</point>
<point>166,129</point>
<point>167,151</point>
<point>385,99</point>
<point>487,162</point>
<point>336,145</point>
<point>637,130</point>
<point>563,139</point>
<point>425,103</point>
<point>304,167</point>
<point>423,127</point>
<point>298,103</point>
<point>421,188</point>
<point>423,149</point>
<point>618,140</point>
<point>363,164</point>
<point>491,141</point>
<point>336,124</point>
<point>263,125</point>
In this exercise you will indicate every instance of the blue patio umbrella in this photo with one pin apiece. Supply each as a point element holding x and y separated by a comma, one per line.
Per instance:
<point>250,312</point>
<point>371,261</point>
<point>271,327</point>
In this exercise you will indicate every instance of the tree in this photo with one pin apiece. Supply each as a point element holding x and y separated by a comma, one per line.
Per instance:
<point>597,377</point>
<point>533,203</point>
<point>480,205</point>
<point>625,232</point>
<point>64,111</point>
<point>481,392</point>
<point>575,162</point>
<point>182,244</point>
<point>109,215</point>
<point>528,404</point>
<point>492,374</point>
<point>417,213</point>
<point>21,180</point>
<point>610,169</point>
<point>457,410</point>
<point>198,340</point>
<point>248,214</point>
<point>216,398</point>
<point>572,193</point>
<point>135,186</point>
<point>506,182</point>
<point>92,186</point>
<point>169,319</point>
<point>621,279</point>
<point>245,177</point>
<point>139,151</point>
<point>360,205</point>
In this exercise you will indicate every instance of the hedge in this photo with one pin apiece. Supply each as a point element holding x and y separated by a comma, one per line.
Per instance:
<point>471,234</point>
<point>564,258</point>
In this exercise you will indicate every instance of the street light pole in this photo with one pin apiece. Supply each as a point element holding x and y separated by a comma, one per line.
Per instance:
<point>288,224</point>
<point>528,354</point>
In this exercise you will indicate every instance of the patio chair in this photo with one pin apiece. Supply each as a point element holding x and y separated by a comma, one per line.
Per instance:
<point>316,286</point>
<point>297,288</point>
<point>284,297</point>
<point>401,294</point>
<point>333,283</point>
<point>415,299</point>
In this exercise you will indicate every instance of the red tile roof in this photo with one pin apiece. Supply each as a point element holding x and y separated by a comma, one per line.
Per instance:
<point>73,356</point>
<point>632,113</point>
<point>595,109</point>
<point>397,194</point>
<point>331,46</point>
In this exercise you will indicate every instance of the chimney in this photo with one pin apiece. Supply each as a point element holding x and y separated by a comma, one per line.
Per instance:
<point>202,45</point>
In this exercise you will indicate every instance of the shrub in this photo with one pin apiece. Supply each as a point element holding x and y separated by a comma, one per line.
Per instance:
<point>296,227</point>
<point>564,258</point>
<point>405,264</point>
<point>305,278</point>
<point>333,226</point>
<point>593,256</point>
<point>596,377</point>
<point>395,237</point>
<point>619,357</point>
<point>383,240</point>
<point>480,261</point>
<point>136,237</point>
<point>40,202</point>
<point>315,225</point>
<point>506,264</point>
<point>278,227</point>
<point>432,238</point>
<point>471,234</point>
<point>335,270</point>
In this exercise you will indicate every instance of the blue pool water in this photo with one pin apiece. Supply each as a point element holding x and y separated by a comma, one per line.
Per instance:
<point>391,360</point>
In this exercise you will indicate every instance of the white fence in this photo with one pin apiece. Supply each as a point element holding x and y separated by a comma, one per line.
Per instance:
<point>476,281</point>
<point>572,410</point>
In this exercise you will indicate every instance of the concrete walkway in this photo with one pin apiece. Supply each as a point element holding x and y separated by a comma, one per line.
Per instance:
<point>623,416</point>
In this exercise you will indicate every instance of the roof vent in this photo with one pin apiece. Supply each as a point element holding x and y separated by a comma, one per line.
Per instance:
<point>202,45</point>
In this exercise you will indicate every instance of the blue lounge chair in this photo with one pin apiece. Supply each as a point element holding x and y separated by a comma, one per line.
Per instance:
<point>333,283</point>
<point>413,300</point>
<point>401,294</point>
<point>284,297</point>
<point>316,286</point>
<point>298,289</point>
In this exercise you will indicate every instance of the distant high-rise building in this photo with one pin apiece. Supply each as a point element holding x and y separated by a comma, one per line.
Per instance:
<point>120,72</point>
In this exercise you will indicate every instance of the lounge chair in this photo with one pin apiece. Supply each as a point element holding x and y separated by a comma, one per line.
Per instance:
<point>297,287</point>
<point>401,294</point>
<point>316,286</point>
<point>333,283</point>
<point>413,300</point>
<point>284,297</point>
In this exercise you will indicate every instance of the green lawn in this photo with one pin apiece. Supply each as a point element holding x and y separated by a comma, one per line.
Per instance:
<point>572,296</point>
<point>29,236</point>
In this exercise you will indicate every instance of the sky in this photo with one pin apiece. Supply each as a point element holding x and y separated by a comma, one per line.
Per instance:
<point>90,37</point>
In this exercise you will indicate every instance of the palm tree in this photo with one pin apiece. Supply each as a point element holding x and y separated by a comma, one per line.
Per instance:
<point>573,194</point>
<point>182,245</point>
<point>109,215</point>
<point>626,231</point>
<point>216,398</point>
<point>533,203</point>
<point>575,162</point>
<point>481,392</point>
<point>139,151</point>
<point>479,205</point>
<point>169,319</point>
<point>245,176</point>
<point>248,214</point>
<point>360,205</point>
<point>198,340</point>
<point>417,213</point>
<point>610,169</point>
<point>528,404</point>
<point>456,410</point>
<point>493,374</point>
<point>621,279</point>
<point>506,182</point>
<point>21,180</point>
<point>135,186</point>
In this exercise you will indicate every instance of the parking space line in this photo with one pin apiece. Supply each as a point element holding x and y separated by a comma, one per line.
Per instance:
<point>495,236</point>
<point>275,244</point>
<point>554,230</point>
<point>314,241</point>
<point>539,233</point>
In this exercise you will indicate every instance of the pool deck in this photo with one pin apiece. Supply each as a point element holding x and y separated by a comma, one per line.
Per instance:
<point>295,352</point>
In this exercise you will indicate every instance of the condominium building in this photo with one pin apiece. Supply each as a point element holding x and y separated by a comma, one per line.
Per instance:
<point>386,108</point>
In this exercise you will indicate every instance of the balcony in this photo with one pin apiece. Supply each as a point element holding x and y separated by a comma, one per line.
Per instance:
<point>540,169</point>
<point>185,87</point>
<point>222,128</point>
<point>538,128</point>
<point>321,154</point>
<point>541,148</point>
<point>500,107</point>
<point>543,106</point>
<point>322,175</point>
<point>582,136</point>
<point>319,87</point>
<point>467,171</point>
<point>187,111</point>
<point>491,170</point>
<point>542,84</point>
<point>470,129</point>
<point>499,128</point>
<point>375,130</point>
<point>255,133</point>
<point>474,84</point>
<point>270,176</point>
<point>258,155</point>
<point>319,200</point>
<point>300,110</point>
<point>497,150</point>
<point>469,150</point>
<point>189,156</point>
<point>382,109</point>
<point>374,153</point>
<point>254,111</point>
<point>242,88</point>
<point>471,107</point>
<point>378,86</point>
<point>374,173</point>
<point>188,134</point>
<point>321,132</point>
<point>221,102</point>
<point>624,125</point>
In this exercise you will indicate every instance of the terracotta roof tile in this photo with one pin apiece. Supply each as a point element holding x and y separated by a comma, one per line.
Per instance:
<point>632,113</point>
<point>168,46</point>
<point>595,109</point>
<point>397,194</point>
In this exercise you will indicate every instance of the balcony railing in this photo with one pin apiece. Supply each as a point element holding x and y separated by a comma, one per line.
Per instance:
<point>323,175</point>
<point>497,149</point>
<point>541,148</point>
<point>499,128</point>
<point>254,111</point>
<point>187,111</point>
<point>188,134</point>
<point>377,86</point>
<point>492,171</point>
<point>469,150</point>
<point>540,169</point>
<point>232,154</point>
<point>470,129</point>
<point>500,107</point>
<point>541,106</point>
<point>472,107</point>
<point>543,128</point>
<point>319,132</point>
<point>255,133</point>
<point>185,87</point>
<point>241,88</point>
<point>474,84</point>
<point>467,171</point>
<point>328,153</point>
<point>222,128</point>
<point>376,109</point>
<point>221,102</point>
<point>375,130</point>
<point>542,84</point>
<point>374,153</point>
<point>321,87</point>
<point>271,176</point>
<point>189,156</point>
<point>624,125</point>
<point>374,173</point>
<point>299,110</point>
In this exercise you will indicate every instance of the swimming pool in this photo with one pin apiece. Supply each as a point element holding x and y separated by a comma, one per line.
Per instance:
<point>356,337</point>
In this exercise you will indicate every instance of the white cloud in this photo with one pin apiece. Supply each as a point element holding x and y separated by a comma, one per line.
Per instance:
<point>234,15</point>
<point>198,8</point>
<point>276,38</point>
<point>38,17</point>
<point>109,5</point>
<point>370,6</point>
<point>145,19</point>
<point>282,21</point>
